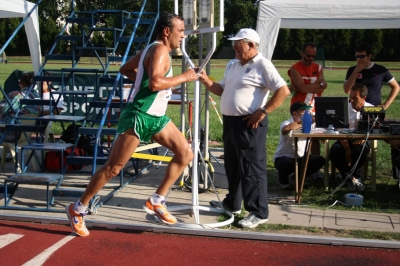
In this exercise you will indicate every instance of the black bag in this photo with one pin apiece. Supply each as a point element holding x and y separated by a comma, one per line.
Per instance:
<point>395,156</point>
<point>70,134</point>
<point>88,142</point>
<point>85,142</point>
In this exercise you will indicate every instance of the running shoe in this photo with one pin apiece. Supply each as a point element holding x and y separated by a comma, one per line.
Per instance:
<point>160,210</point>
<point>77,220</point>
<point>251,221</point>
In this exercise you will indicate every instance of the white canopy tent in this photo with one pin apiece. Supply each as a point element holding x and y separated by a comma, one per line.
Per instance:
<point>20,8</point>
<point>327,14</point>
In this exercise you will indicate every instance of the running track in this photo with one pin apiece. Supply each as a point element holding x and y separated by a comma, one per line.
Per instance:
<point>38,244</point>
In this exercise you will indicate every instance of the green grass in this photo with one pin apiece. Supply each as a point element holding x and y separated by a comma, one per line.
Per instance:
<point>385,199</point>
<point>315,231</point>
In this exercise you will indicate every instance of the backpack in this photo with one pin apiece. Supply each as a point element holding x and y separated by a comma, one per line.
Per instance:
<point>52,160</point>
<point>85,142</point>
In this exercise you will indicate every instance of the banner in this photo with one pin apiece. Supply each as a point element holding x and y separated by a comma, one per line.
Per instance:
<point>79,104</point>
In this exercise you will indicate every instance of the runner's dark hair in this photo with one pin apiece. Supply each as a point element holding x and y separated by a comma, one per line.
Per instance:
<point>165,21</point>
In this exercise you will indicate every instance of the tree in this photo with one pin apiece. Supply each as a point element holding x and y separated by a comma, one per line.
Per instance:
<point>239,14</point>
<point>18,43</point>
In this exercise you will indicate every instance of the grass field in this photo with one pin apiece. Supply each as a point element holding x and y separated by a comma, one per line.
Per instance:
<point>385,199</point>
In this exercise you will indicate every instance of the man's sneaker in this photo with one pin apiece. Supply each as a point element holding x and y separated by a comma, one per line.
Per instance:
<point>318,175</point>
<point>160,210</point>
<point>358,186</point>
<point>217,205</point>
<point>251,221</point>
<point>77,220</point>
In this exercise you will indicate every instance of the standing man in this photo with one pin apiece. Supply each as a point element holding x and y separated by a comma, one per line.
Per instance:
<point>345,153</point>
<point>307,78</point>
<point>144,119</point>
<point>284,158</point>
<point>372,76</point>
<point>245,110</point>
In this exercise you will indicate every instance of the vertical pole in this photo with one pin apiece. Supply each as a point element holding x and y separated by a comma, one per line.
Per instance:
<point>195,148</point>
<point>195,141</point>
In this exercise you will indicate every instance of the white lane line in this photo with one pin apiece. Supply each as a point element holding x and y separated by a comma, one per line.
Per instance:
<point>42,257</point>
<point>8,238</point>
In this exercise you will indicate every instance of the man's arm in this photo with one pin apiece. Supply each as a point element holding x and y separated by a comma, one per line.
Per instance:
<point>292,126</point>
<point>277,99</point>
<point>321,79</point>
<point>210,85</point>
<point>393,93</point>
<point>129,69</point>
<point>157,63</point>
<point>299,84</point>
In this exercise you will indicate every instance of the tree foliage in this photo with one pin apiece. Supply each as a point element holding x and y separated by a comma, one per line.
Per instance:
<point>338,44</point>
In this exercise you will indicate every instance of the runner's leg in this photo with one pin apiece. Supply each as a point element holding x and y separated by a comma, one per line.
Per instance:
<point>121,152</point>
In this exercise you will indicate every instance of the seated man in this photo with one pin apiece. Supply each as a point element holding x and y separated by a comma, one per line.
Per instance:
<point>284,155</point>
<point>346,154</point>
<point>7,113</point>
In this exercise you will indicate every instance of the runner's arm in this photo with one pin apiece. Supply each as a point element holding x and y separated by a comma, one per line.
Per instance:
<point>157,63</point>
<point>129,69</point>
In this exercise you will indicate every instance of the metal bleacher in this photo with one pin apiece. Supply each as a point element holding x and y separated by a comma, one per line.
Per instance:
<point>124,31</point>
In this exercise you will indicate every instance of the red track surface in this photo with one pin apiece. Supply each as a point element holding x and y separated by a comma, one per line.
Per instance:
<point>137,248</point>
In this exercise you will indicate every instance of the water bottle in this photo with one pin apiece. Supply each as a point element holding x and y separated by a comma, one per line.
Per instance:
<point>306,122</point>
<point>204,11</point>
<point>188,12</point>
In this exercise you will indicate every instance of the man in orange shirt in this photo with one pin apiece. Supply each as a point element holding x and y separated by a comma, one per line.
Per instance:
<point>307,79</point>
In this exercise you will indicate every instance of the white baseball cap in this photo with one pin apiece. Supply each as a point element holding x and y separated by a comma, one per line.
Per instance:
<point>249,34</point>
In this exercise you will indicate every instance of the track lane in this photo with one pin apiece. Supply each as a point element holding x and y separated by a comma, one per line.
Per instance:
<point>104,247</point>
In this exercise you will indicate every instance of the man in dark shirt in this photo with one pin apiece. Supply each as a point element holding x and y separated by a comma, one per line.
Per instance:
<point>372,76</point>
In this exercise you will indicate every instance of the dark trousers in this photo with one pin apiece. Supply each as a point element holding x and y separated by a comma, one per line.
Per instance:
<point>245,165</point>
<point>337,156</point>
<point>395,155</point>
<point>286,166</point>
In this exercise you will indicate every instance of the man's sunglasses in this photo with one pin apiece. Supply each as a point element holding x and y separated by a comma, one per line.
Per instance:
<point>361,56</point>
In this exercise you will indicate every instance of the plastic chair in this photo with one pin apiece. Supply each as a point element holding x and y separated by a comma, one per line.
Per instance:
<point>23,140</point>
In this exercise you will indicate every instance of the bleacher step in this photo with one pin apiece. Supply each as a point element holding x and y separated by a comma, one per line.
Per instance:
<point>68,192</point>
<point>86,160</point>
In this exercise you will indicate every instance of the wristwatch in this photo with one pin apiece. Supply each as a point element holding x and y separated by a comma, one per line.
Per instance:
<point>263,110</point>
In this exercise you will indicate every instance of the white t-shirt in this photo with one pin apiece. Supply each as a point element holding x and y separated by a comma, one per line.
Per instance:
<point>46,96</point>
<point>246,87</point>
<point>354,115</point>
<point>286,143</point>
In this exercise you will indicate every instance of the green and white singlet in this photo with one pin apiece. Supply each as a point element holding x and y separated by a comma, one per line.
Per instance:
<point>143,101</point>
